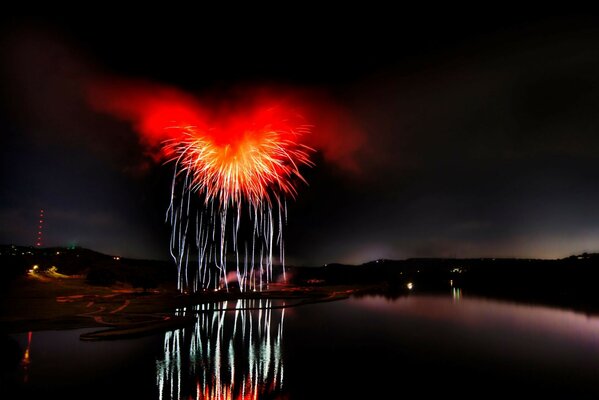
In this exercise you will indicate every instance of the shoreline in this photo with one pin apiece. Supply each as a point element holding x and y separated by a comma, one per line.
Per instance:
<point>120,311</point>
<point>72,304</point>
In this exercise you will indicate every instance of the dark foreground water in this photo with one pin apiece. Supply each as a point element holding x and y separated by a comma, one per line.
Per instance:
<point>366,348</point>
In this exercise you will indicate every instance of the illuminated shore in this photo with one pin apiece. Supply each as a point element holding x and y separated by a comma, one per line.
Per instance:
<point>44,299</point>
<point>32,305</point>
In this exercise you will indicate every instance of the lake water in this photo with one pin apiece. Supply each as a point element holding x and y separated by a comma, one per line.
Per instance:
<point>361,348</point>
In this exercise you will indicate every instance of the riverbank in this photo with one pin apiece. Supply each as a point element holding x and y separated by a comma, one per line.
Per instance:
<point>31,304</point>
<point>57,302</point>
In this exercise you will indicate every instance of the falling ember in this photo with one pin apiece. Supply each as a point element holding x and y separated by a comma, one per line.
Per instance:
<point>235,165</point>
<point>241,172</point>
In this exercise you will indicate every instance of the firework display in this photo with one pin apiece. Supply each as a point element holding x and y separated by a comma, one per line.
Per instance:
<point>230,184</point>
<point>235,162</point>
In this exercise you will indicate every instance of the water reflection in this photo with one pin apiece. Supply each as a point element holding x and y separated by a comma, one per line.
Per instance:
<point>232,352</point>
<point>26,360</point>
<point>456,294</point>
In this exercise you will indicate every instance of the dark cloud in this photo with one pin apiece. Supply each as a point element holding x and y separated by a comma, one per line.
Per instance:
<point>487,151</point>
<point>85,170</point>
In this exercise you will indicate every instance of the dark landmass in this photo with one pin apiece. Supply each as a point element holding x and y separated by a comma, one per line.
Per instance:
<point>571,282</point>
<point>63,288</point>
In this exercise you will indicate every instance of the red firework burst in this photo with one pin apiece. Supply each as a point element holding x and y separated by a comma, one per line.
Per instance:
<point>255,157</point>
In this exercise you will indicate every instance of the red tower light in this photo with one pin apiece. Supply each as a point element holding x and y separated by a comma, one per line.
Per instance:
<point>40,232</point>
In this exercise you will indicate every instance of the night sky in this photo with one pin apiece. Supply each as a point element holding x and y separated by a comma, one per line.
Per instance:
<point>480,135</point>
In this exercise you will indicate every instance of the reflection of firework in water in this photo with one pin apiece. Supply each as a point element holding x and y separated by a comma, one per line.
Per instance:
<point>229,354</point>
<point>242,172</point>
